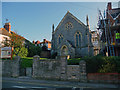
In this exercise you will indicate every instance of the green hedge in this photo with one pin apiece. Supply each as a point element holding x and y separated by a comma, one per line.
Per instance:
<point>74,61</point>
<point>26,62</point>
<point>99,63</point>
<point>94,64</point>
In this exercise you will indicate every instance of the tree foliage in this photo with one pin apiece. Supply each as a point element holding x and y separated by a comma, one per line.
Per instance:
<point>17,42</point>
<point>22,52</point>
<point>44,48</point>
<point>99,64</point>
<point>33,50</point>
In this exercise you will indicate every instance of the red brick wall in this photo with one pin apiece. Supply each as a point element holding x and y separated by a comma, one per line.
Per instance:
<point>104,77</point>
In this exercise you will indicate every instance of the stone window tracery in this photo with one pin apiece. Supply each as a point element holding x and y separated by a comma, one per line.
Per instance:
<point>68,26</point>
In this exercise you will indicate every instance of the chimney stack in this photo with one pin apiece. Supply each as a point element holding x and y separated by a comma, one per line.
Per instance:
<point>33,42</point>
<point>109,6</point>
<point>7,26</point>
<point>44,40</point>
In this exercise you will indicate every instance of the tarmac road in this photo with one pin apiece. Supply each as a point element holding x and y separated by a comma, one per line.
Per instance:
<point>26,83</point>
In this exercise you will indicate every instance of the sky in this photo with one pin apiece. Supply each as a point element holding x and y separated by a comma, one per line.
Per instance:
<point>33,20</point>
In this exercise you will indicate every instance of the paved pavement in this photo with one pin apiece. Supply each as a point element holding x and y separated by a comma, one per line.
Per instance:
<point>27,83</point>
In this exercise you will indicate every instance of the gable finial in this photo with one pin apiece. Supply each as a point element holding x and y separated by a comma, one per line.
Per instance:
<point>53,28</point>
<point>68,11</point>
<point>87,21</point>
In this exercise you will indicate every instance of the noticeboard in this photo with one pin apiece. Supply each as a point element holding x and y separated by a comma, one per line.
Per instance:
<point>6,52</point>
<point>117,35</point>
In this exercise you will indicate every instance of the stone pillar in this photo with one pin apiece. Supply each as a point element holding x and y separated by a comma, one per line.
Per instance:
<point>16,66</point>
<point>63,67</point>
<point>83,76</point>
<point>35,59</point>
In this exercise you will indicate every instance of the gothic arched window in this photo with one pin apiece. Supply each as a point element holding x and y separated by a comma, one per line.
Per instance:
<point>60,39</point>
<point>78,39</point>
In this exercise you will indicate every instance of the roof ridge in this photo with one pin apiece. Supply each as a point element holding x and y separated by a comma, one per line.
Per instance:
<point>68,12</point>
<point>77,19</point>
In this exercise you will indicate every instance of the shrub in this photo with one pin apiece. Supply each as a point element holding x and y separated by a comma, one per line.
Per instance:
<point>101,64</point>
<point>74,61</point>
<point>34,50</point>
<point>26,62</point>
<point>22,52</point>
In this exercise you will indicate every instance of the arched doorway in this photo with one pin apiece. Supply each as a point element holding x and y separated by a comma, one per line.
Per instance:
<point>64,50</point>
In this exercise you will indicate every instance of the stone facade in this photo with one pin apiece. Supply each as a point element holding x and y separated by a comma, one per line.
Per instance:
<point>83,75</point>
<point>71,37</point>
<point>49,69</point>
<point>58,69</point>
<point>11,67</point>
<point>73,73</point>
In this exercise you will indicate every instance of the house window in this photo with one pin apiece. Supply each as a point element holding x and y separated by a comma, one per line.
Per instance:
<point>78,39</point>
<point>60,39</point>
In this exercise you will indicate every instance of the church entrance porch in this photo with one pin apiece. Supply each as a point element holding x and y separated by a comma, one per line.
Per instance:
<point>64,50</point>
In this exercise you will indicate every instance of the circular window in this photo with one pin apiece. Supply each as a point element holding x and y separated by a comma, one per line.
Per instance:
<point>68,26</point>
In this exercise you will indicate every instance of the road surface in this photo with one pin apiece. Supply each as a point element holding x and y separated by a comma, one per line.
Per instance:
<point>27,83</point>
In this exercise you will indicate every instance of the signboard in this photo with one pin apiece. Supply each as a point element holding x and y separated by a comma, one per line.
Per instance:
<point>118,37</point>
<point>6,52</point>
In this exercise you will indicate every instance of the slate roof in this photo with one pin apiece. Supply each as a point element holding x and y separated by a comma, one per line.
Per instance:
<point>114,13</point>
<point>68,13</point>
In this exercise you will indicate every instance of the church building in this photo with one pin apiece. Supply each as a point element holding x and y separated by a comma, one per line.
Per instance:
<point>71,38</point>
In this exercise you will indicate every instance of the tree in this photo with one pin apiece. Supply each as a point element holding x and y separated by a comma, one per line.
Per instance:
<point>17,42</point>
<point>44,48</point>
<point>23,52</point>
<point>34,50</point>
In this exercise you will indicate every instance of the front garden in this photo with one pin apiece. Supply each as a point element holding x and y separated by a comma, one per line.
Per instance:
<point>95,64</point>
<point>99,64</point>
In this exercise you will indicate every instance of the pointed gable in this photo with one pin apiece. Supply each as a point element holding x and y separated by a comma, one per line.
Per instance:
<point>68,13</point>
